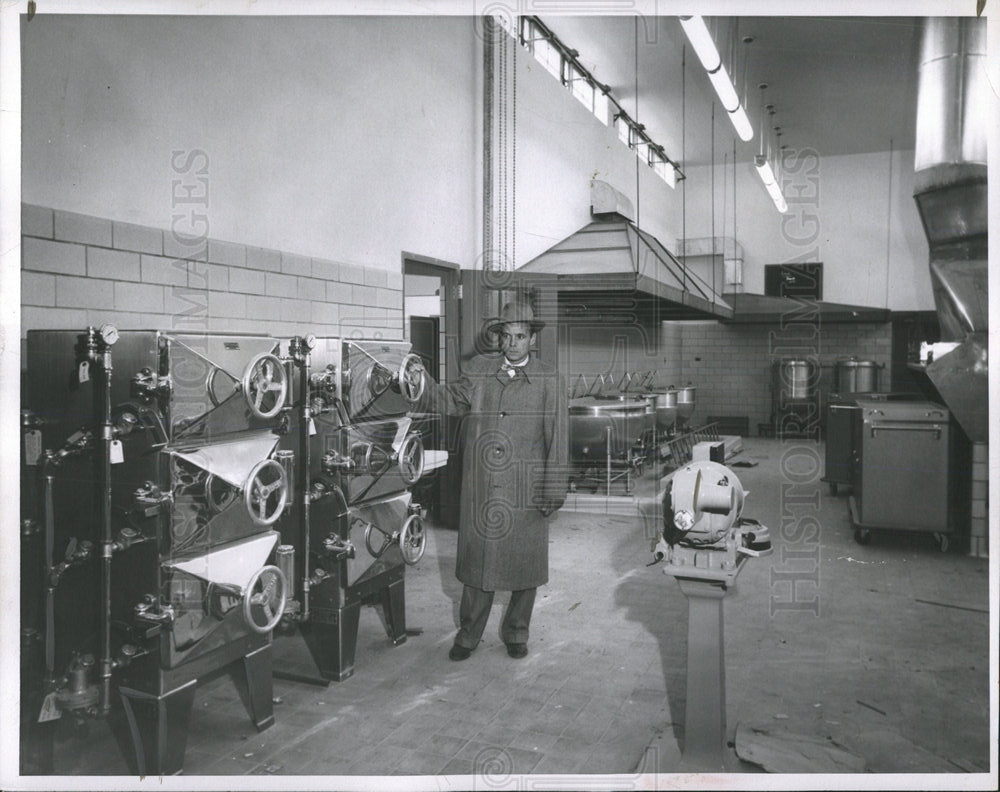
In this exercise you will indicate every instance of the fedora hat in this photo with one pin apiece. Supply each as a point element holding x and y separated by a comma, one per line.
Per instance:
<point>515,311</point>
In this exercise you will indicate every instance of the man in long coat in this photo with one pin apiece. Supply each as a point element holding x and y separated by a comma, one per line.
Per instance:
<point>513,433</point>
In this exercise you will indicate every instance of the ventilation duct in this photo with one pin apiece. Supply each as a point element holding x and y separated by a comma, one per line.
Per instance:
<point>712,248</point>
<point>950,191</point>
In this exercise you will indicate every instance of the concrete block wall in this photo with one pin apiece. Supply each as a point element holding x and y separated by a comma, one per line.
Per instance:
<point>79,270</point>
<point>612,350</point>
<point>731,364</point>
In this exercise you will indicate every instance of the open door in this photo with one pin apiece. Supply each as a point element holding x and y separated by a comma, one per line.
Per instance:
<point>431,316</point>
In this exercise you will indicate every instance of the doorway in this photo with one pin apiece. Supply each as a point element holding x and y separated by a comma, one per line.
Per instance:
<point>431,323</point>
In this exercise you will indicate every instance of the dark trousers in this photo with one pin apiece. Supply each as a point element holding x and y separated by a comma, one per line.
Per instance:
<point>475,611</point>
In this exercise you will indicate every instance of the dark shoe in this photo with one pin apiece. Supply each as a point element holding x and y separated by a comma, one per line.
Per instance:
<point>517,650</point>
<point>458,652</point>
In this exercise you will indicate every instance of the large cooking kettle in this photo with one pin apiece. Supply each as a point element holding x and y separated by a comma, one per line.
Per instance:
<point>663,405</point>
<point>594,422</point>
<point>685,402</point>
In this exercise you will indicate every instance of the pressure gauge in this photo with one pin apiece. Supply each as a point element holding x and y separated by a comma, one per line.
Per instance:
<point>109,334</point>
<point>310,341</point>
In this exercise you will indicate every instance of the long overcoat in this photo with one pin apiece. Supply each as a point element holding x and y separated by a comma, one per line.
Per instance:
<point>513,433</point>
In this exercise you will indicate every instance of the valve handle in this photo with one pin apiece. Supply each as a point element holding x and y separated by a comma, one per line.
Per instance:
<point>266,482</point>
<point>386,540</point>
<point>265,385</point>
<point>411,459</point>
<point>410,378</point>
<point>210,387</point>
<point>266,594</point>
<point>218,494</point>
<point>362,454</point>
<point>412,539</point>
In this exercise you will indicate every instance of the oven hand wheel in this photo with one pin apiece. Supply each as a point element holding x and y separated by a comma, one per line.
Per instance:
<point>369,459</point>
<point>410,537</point>
<point>210,387</point>
<point>411,459</point>
<point>265,596</point>
<point>266,492</point>
<point>265,385</point>
<point>379,379</point>
<point>218,494</point>
<point>387,539</point>
<point>410,378</point>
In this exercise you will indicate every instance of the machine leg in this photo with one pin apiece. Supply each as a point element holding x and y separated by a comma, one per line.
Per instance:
<point>158,726</point>
<point>705,709</point>
<point>260,687</point>
<point>332,644</point>
<point>394,608</point>
<point>37,741</point>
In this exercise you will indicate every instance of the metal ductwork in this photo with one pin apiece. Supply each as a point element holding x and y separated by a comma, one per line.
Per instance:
<point>950,188</point>
<point>612,262</point>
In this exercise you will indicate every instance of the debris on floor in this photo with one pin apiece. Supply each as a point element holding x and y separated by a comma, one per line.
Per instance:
<point>786,752</point>
<point>857,561</point>
<point>888,751</point>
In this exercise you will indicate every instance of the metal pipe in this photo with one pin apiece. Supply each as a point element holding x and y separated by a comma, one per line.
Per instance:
<point>953,83</point>
<point>304,462</point>
<point>50,591</point>
<point>608,449</point>
<point>107,538</point>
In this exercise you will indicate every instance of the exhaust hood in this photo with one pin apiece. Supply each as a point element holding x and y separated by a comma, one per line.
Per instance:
<point>950,189</point>
<point>760,309</point>
<point>611,269</point>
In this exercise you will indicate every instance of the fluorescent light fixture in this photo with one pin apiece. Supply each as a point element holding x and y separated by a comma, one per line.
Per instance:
<point>701,40</point>
<point>741,123</point>
<point>764,169</point>
<point>708,54</point>
<point>724,88</point>
<point>770,183</point>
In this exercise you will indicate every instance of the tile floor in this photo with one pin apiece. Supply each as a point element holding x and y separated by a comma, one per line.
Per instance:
<point>886,657</point>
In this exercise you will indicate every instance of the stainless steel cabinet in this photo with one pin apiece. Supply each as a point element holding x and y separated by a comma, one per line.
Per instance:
<point>900,468</point>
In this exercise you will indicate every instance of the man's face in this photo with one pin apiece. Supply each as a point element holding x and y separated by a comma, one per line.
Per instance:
<point>515,340</point>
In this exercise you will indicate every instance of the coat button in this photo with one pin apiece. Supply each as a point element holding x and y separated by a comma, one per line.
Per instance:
<point>503,415</point>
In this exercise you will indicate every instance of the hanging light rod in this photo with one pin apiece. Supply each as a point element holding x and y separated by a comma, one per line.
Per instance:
<point>763,164</point>
<point>704,47</point>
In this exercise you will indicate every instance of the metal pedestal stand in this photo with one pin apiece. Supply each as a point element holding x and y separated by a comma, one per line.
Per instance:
<point>705,544</point>
<point>705,707</point>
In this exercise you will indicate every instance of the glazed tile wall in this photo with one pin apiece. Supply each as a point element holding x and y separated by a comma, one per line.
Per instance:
<point>731,364</point>
<point>79,270</point>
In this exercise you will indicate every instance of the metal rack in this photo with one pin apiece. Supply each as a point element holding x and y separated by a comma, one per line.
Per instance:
<point>681,447</point>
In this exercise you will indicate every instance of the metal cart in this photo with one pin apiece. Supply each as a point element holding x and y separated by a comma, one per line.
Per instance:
<point>900,469</point>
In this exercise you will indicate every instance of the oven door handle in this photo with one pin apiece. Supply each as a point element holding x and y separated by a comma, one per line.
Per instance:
<point>907,427</point>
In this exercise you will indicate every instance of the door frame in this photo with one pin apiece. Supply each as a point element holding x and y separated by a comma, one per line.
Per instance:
<point>449,272</point>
